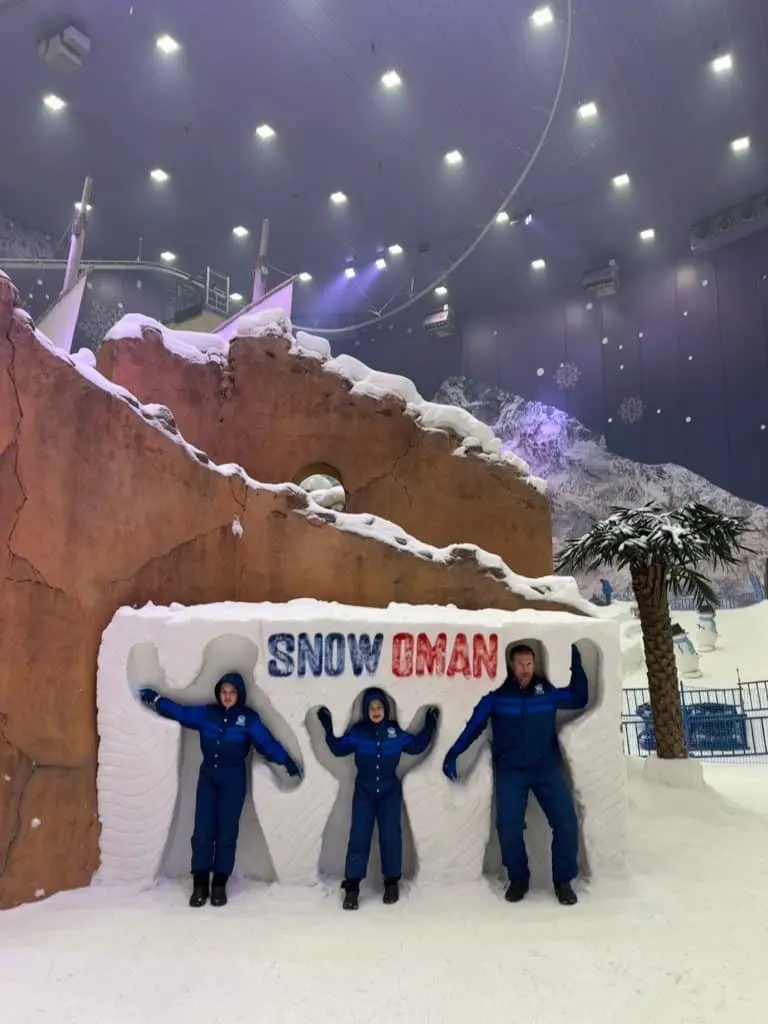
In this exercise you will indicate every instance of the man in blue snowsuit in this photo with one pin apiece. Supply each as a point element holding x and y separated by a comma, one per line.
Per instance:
<point>526,757</point>
<point>228,729</point>
<point>377,742</point>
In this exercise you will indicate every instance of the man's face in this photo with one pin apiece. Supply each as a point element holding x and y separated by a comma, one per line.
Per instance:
<point>376,711</point>
<point>227,695</point>
<point>523,667</point>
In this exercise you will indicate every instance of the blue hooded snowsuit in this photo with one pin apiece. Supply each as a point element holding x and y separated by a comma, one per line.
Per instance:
<point>378,795</point>
<point>526,756</point>
<point>226,737</point>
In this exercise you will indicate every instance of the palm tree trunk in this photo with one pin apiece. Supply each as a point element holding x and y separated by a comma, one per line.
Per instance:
<point>653,607</point>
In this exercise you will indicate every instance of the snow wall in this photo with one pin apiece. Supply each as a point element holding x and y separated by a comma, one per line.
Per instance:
<point>299,655</point>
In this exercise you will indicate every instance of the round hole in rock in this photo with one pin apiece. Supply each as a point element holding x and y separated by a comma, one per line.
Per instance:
<point>324,484</point>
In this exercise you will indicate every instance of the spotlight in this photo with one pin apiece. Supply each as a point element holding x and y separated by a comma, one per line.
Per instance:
<point>349,273</point>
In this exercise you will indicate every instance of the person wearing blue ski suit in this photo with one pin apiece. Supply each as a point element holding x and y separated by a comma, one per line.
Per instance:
<point>526,757</point>
<point>228,729</point>
<point>378,743</point>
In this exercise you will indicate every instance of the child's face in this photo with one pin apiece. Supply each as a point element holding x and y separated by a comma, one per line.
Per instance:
<point>228,695</point>
<point>376,711</point>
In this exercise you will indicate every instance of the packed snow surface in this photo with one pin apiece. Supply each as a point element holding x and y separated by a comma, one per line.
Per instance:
<point>681,942</point>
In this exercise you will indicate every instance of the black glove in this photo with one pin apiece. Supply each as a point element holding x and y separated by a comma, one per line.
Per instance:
<point>324,718</point>
<point>575,657</point>
<point>292,768</point>
<point>148,695</point>
<point>432,715</point>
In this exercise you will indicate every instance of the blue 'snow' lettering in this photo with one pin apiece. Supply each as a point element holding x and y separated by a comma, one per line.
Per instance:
<point>319,654</point>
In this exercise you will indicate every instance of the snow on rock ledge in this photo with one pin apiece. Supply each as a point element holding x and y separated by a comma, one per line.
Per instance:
<point>476,438</point>
<point>550,589</point>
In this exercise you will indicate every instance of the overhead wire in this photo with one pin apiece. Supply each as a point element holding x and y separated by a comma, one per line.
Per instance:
<point>454,266</point>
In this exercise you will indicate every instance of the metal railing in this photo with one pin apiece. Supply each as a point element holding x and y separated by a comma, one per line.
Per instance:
<point>744,739</point>
<point>748,697</point>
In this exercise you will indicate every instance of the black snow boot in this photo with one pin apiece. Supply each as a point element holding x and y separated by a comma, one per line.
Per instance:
<point>219,890</point>
<point>516,890</point>
<point>351,887</point>
<point>565,894</point>
<point>200,888</point>
<point>391,890</point>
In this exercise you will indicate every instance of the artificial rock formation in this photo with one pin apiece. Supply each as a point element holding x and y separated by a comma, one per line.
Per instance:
<point>102,504</point>
<point>280,416</point>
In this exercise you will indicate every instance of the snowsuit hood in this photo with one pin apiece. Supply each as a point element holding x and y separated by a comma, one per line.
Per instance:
<point>374,693</point>
<point>236,680</point>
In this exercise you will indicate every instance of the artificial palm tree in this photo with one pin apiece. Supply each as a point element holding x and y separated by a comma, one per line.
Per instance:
<point>663,551</point>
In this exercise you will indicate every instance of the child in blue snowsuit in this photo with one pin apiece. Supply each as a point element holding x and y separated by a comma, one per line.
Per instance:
<point>526,757</point>
<point>377,742</point>
<point>228,729</point>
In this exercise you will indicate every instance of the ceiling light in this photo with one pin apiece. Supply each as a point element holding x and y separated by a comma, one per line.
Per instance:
<point>542,16</point>
<point>167,44</point>
<point>381,263</point>
<point>305,276</point>
<point>621,181</point>
<point>168,257</point>
<point>587,111</point>
<point>240,231</point>
<point>740,145</point>
<point>265,131</point>
<point>235,297</point>
<point>647,234</point>
<point>528,219</point>
<point>454,157</point>
<point>349,273</point>
<point>441,291</point>
<point>502,218</point>
<point>538,264</point>
<point>395,250</point>
<point>722,64</point>
<point>338,198</point>
<point>79,206</point>
<point>159,175</point>
<point>391,80</point>
<point>54,102</point>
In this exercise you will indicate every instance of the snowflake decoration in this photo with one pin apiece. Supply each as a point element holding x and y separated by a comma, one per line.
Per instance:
<point>100,319</point>
<point>631,410</point>
<point>567,375</point>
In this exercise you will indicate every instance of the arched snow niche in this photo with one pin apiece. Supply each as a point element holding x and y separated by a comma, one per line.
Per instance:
<point>227,653</point>
<point>578,763</point>
<point>336,833</point>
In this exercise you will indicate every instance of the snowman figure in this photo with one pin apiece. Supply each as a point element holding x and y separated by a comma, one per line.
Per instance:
<point>686,656</point>
<point>706,629</point>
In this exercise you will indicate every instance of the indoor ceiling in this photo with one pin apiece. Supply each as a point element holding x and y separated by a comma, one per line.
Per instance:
<point>477,76</point>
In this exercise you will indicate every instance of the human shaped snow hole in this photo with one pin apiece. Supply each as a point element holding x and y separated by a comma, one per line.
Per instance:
<point>323,483</point>
<point>227,653</point>
<point>336,834</point>
<point>538,835</point>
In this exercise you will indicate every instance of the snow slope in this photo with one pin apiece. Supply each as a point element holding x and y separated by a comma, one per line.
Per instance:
<point>682,942</point>
<point>585,479</point>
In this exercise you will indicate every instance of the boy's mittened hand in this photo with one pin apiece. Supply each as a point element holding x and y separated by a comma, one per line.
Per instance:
<point>433,713</point>
<point>324,717</point>
<point>148,695</point>
<point>450,771</point>
<point>292,768</point>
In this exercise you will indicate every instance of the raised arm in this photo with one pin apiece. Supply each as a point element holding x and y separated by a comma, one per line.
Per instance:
<point>266,744</point>
<point>471,731</point>
<point>417,743</point>
<point>339,746</point>
<point>576,694</point>
<point>190,716</point>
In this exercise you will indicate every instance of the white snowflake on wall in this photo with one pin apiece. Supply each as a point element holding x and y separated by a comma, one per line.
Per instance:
<point>631,409</point>
<point>100,319</point>
<point>567,375</point>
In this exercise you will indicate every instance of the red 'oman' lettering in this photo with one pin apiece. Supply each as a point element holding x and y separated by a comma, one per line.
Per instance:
<point>460,665</point>
<point>485,655</point>
<point>402,655</point>
<point>430,657</point>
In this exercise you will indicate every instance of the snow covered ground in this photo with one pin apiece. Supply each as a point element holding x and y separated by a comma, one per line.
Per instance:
<point>681,943</point>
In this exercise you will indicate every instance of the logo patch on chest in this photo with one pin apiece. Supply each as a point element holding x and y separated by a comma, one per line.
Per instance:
<point>240,720</point>
<point>538,689</point>
<point>391,732</point>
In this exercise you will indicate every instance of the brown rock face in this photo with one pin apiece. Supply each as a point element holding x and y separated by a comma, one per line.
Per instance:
<point>101,506</point>
<point>280,416</point>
